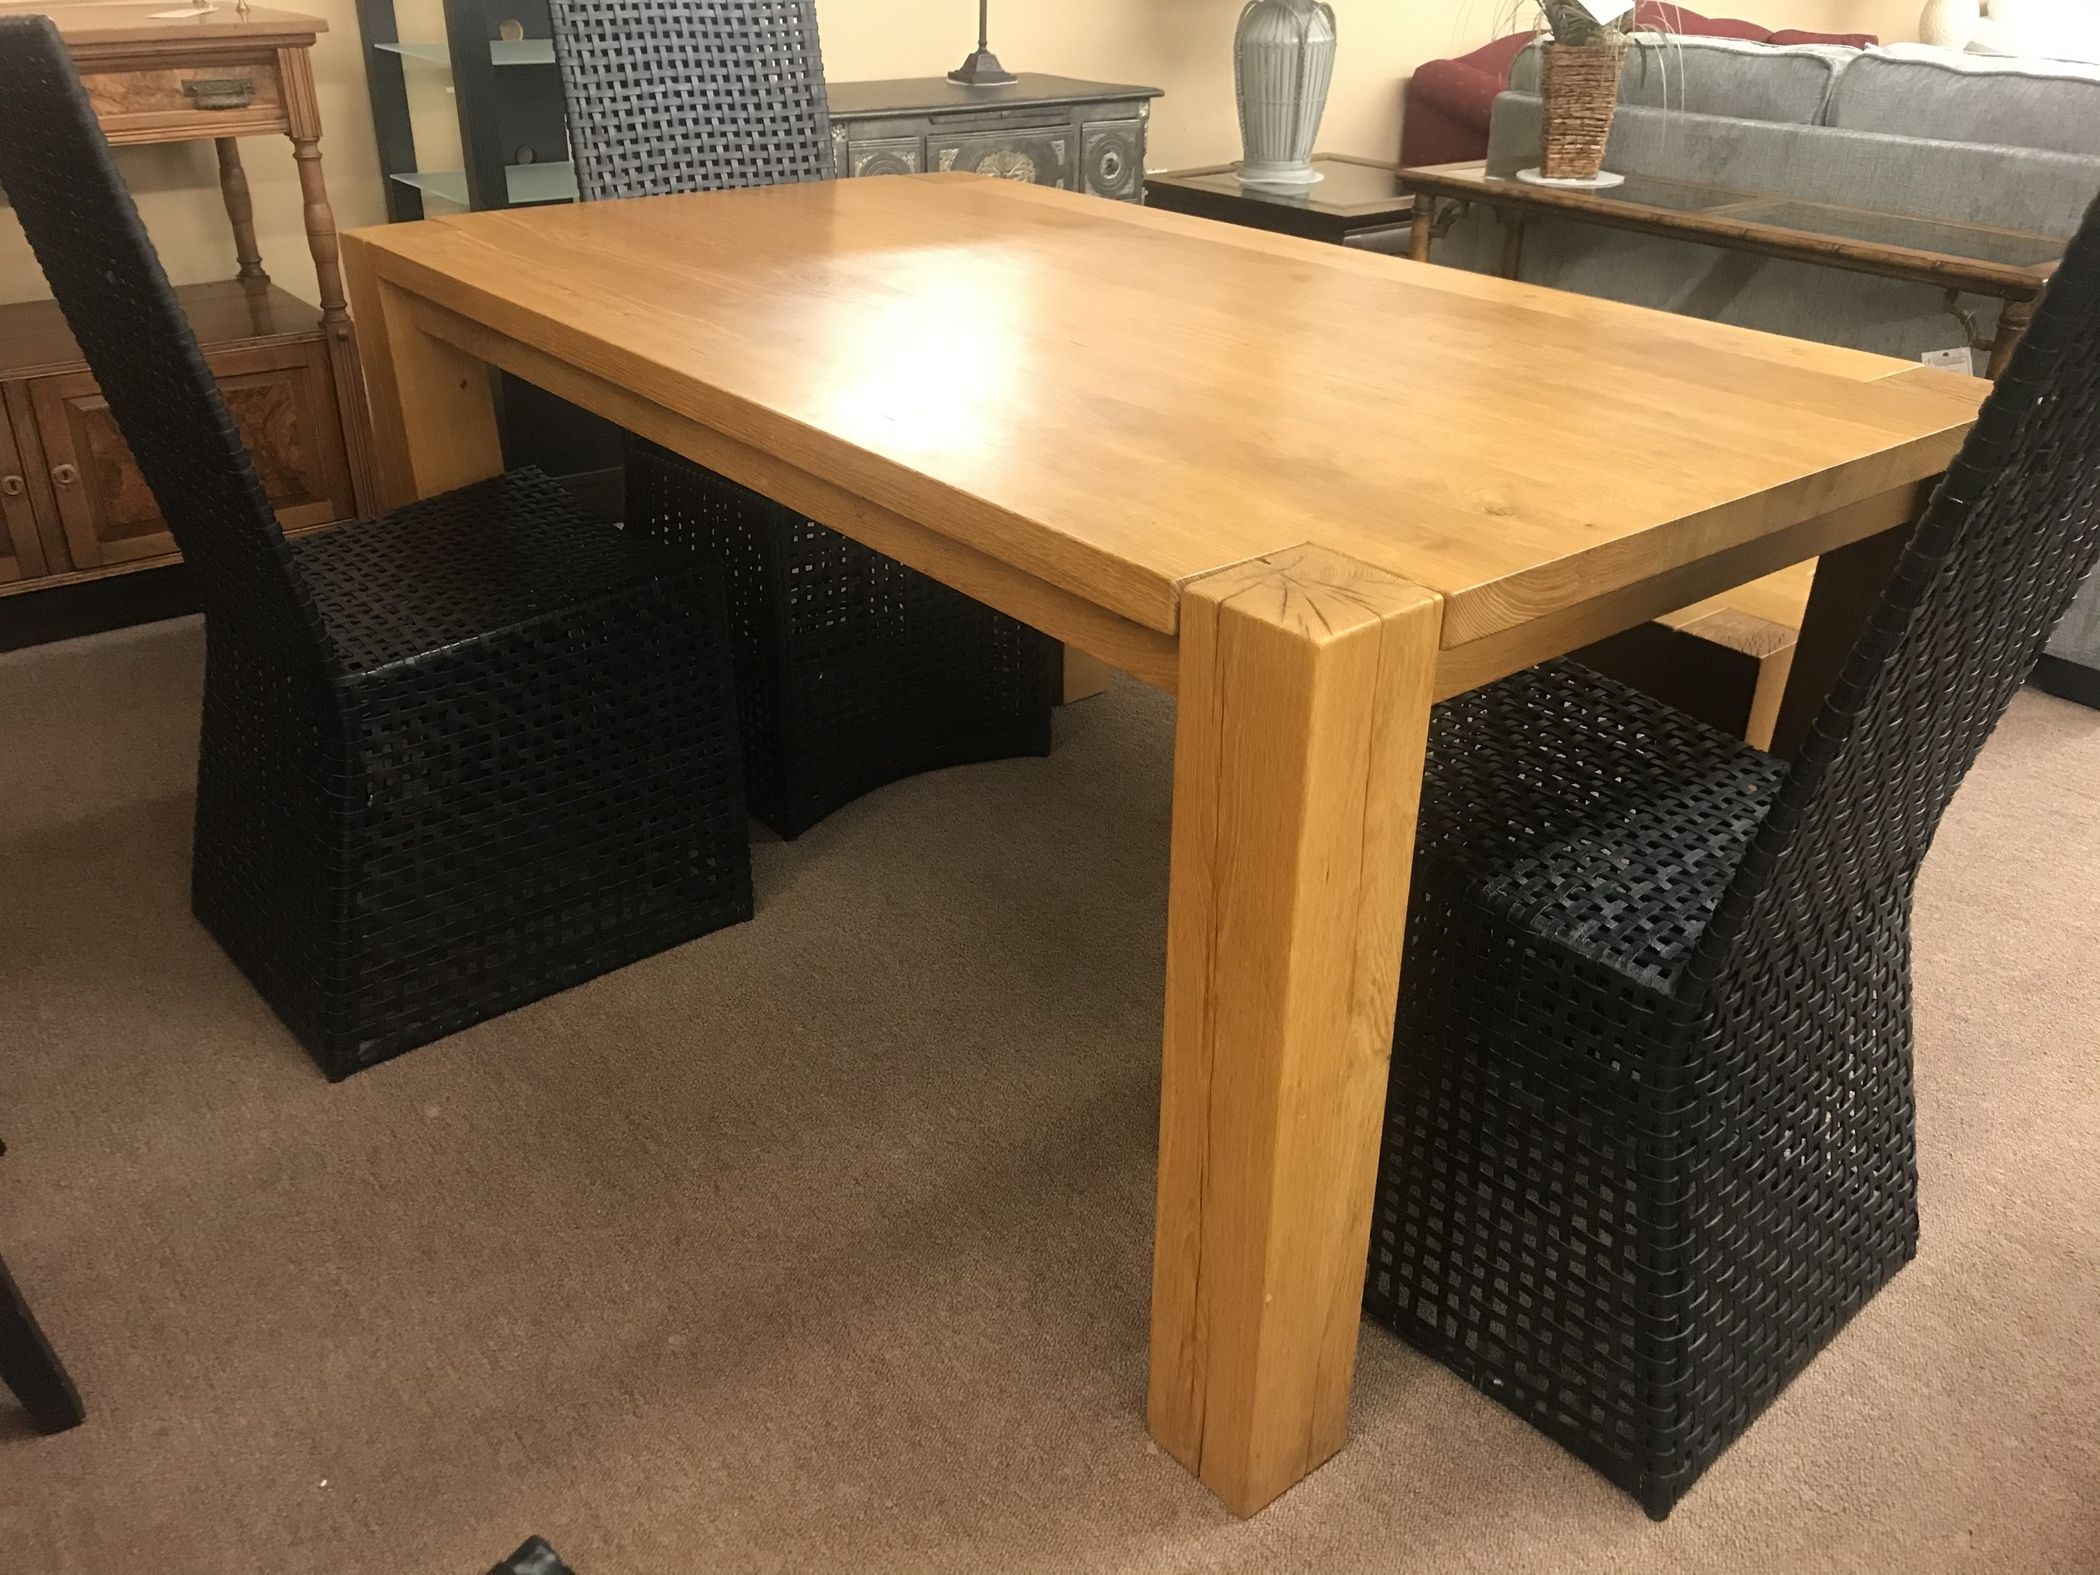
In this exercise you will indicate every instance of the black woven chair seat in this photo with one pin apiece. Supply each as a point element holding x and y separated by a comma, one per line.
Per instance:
<point>1590,815</point>
<point>454,568</point>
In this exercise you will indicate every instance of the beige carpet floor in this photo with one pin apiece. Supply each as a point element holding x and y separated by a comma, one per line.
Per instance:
<point>822,1243</point>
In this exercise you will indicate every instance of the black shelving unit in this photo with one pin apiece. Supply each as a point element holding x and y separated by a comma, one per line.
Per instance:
<point>514,147</point>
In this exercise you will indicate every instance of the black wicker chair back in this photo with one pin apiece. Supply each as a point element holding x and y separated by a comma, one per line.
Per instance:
<point>429,790</point>
<point>852,670</point>
<point>1990,571</point>
<point>56,169</point>
<point>1649,1135</point>
<point>692,95</point>
<point>1801,980</point>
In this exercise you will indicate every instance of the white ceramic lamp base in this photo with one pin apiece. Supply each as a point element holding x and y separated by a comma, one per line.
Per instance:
<point>1276,175</point>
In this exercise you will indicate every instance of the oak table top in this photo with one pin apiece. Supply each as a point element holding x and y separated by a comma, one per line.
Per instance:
<point>1506,446</point>
<point>1308,489</point>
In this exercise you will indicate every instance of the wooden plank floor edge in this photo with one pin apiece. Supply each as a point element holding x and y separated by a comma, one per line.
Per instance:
<point>1303,721</point>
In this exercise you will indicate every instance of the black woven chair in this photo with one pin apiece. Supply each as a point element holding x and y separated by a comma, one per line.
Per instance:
<point>852,670</point>
<point>30,1368</point>
<point>28,1365</point>
<point>1649,1139</point>
<point>452,760</point>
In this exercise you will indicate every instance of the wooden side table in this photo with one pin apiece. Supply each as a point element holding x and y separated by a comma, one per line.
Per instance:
<point>2012,265</point>
<point>74,505</point>
<point>1356,202</point>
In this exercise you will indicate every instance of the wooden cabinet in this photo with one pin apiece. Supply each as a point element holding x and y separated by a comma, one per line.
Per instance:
<point>230,90</point>
<point>21,551</point>
<point>283,404</point>
<point>73,505</point>
<point>72,501</point>
<point>1051,131</point>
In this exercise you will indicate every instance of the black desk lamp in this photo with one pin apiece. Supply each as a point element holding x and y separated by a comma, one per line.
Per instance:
<point>982,69</point>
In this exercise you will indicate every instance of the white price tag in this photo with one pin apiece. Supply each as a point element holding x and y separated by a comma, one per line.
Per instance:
<point>1603,12</point>
<point>1956,360</point>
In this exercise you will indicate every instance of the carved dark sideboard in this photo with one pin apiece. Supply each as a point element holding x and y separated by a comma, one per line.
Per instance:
<point>1053,131</point>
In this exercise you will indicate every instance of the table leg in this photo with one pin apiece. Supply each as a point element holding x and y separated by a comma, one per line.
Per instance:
<point>1305,682</point>
<point>1084,676</point>
<point>1513,224</point>
<point>1841,602</point>
<point>240,212</point>
<point>303,113</point>
<point>2013,319</point>
<point>433,406</point>
<point>1421,229</point>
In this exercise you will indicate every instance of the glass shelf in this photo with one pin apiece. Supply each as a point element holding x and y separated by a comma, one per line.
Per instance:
<point>502,52</point>
<point>554,182</point>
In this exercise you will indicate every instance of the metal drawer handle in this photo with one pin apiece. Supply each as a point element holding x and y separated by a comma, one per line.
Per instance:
<point>11,486</point>
<point>65,475</point>
<point>220,92</point>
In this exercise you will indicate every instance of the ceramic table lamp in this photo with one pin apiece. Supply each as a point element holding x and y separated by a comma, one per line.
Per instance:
<point>1283,64</point>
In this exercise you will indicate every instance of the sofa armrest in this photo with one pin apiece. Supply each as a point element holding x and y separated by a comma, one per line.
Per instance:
<point>1449,105</point>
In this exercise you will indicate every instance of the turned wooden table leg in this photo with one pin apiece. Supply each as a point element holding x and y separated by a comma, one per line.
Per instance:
<point>433,406</point>
<point>1421,229</point>
<point>303,111</point>
<point>1304,693</point>
<point>2012,328</point>
<point>240,211</point>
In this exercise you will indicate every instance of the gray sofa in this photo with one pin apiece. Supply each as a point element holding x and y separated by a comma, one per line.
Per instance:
<point>1903,129</point>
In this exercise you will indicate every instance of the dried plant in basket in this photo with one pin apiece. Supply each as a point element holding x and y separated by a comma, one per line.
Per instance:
<point>1572,23</point>
<point>1579,64</point>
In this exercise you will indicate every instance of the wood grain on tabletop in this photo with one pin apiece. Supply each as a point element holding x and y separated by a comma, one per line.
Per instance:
<point>1118,400</point>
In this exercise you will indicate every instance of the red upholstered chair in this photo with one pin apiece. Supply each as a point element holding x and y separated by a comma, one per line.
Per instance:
<point>1449,101</point>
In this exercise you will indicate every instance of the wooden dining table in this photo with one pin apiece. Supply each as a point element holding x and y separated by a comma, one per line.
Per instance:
<point>1309,491</point>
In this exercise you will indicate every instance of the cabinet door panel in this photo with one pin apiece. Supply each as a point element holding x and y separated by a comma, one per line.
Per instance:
<point>1044,158</point>
<point>21,551</point>
<point>284,405</point>
<point>884,156</point>
<point>1115,159</point>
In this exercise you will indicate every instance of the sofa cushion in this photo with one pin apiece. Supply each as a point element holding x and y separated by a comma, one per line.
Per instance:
<point>1914,90</point>
<point>1718,76</point>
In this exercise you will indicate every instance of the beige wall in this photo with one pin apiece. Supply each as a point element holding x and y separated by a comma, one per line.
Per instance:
<point>1183,46</point>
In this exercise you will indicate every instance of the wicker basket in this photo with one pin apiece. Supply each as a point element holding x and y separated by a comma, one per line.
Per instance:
<point>1580,86</point>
